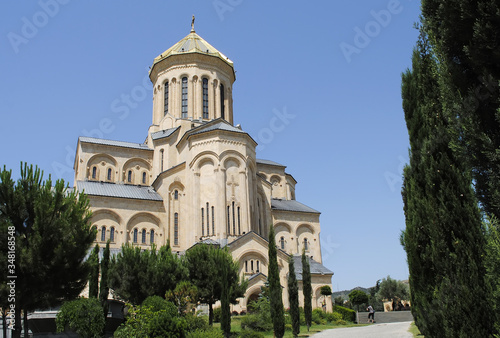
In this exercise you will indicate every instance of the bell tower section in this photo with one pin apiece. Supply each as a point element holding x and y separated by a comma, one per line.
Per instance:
<point>192,81</point>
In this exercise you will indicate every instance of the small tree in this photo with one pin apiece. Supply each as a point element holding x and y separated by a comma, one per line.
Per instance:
<point>325,291</point>
<point>393,290</point>
<point>307,289</point>
<point>275,290</point>
<point>83,316</point>
<point>358,297</point>
<point>184,294</point>
<point>293,298</point>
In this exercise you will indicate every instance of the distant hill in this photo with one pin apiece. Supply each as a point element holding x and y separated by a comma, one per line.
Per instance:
<point>345,293</point>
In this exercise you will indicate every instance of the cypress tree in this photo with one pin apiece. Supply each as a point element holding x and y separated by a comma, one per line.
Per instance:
<point>94,272</point>
<point>225,319</point>
<point>443,238</point>
<point>104,285</point>
<point>307,289</point>
<point>293,298</point>
<point>275,290</point>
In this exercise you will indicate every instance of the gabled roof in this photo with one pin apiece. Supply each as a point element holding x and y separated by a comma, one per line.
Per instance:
<point>163,133</point>
<point>217,124</point>
<point>192,43</point>
<point>267,162</point>
<point>256,275</point>
<point>316,267</point>
<point>106,189</point>
<point>141,146</point>
<point>291,205</point>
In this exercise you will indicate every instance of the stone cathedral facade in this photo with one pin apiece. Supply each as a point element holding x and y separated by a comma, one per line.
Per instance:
<point>196,178</point>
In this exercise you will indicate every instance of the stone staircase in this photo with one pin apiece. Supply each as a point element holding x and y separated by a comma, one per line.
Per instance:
<point>387,317</point>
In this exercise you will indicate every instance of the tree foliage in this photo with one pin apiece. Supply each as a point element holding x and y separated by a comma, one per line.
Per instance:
<point>104,285</point>
<point>184,294</point>
<point>52,235</point>
<point>82,316</point>
<point>275,290</point>
<point>293,297</point>
<point>208,279</point>
<point>391,289</point>
<point>358,297</point>
<point>94,272</point>
<point>134,274</point>
<point>443,238</point>
<point>307,289</point>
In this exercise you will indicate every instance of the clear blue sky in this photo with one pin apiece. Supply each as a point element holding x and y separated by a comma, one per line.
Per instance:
<point>334,65</point>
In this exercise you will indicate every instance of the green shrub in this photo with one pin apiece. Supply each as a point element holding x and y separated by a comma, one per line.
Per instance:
<point>256,322</point>
<point>83,316</point>
<point>340,322</point>
<point>156,303</point>
<point>209,333</point>
<point>347,314</point>
<point>319,316</point>
<point>288,327</point>
<point>195,322</point>
<point>250,334</point>
<point>217,315</point>
<point>332,317</point>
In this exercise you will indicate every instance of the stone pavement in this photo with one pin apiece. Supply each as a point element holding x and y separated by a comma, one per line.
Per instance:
<point>383,330</point>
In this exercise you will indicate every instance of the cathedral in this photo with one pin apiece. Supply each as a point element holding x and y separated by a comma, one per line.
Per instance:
<point>197,179</point>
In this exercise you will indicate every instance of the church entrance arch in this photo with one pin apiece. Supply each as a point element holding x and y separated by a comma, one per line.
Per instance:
<point>252,298</point>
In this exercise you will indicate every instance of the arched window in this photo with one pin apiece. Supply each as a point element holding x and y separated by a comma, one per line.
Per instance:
<point>213,222</point>
<point>176,195</point>
<point>129,176</point>
<point>258,268</point>
<point>208,220</point>
<point>161,160</point>
<point>152,236</point>
<point>234,221</point>
<point>135,235</point>
<point>165,104</point>
<point>306,244</point>
<point>184,109</point>
<point>202,221</point>
<point>251,265</point>
<point>282,243</point>
<point>144,178</point>
<point>109,174</point>
<point>176,229</point>
<point>143,239</point>
<point>246,266</point>
<point>228,221</point>
<point>239,226</point>
<point>112,234</point>
<point>205,98</point>
<point>103,234</point>
<point>94,173</point>
<point>222,99</point>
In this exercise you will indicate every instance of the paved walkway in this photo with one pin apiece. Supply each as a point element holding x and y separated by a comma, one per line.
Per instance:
<point>384,330</point>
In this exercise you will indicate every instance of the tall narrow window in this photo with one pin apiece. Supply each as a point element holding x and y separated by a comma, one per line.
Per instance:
<point>213,222</point>
<point>135,235</point>
<point>246,266</point>
<point>260,223</point>
<point>109,174</point>
<point>251,266</point>
<point>205,98</point>
<point>143,178</point>
<point>228,221</point>
<point>165,97</point>
<point>184,98</point>
<point>103,234</point>
<point>143,237</point>
<point>129,176</point>
<point>222,100</point>
<point>94,173</point>
<point>234,222</point>
<point>176,195</point>
<point>202,222</point>
<point>112,234</point>
<point>258,268</point>
<point>306,245</point>
<point>239,225</point>
<point>176,229</point>
<point>152,236</point>
<point>161,160</point>
<point>282,243</point>
<point>208,221</point>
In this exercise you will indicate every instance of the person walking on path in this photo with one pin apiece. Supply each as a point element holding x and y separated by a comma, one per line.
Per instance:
<point>371,314</point>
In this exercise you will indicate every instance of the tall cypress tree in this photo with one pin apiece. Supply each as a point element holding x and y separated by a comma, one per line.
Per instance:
<point>443,237</point>
<point>275,291</point>
<point>104,285</point>
<point>293,298</point>
<point>94,272</point>
<point>307,289</point>
<point>225,319</point>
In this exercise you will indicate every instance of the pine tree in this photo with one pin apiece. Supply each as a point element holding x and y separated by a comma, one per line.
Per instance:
<point>275,290</point>
<point>443,237</point>
<point>293,298</point>
<point>307,289</point>
<point>94,272</point>
<point>104,285</point>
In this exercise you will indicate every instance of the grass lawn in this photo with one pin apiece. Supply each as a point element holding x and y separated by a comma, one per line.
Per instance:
<point>236,327</point>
